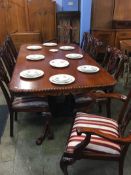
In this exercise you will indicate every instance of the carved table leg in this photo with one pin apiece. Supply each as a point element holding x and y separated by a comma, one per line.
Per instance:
<point>47,131</point>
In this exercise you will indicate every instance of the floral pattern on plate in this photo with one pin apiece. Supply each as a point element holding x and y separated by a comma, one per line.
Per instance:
<point>34,47</point>
<point>62,79</point>
<point>88,69</point>
<point>35,57</point>
<point>74,56</point>
<point>67,47</point>
<point>59,63</point>
<point>31,73</point>
<point>50,44</point>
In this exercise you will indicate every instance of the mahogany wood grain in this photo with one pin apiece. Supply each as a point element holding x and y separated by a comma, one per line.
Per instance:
<point>42,85</point>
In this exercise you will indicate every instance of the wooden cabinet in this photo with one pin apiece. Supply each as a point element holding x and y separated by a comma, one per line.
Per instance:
<point>107,36</point>
<point>112,36</point>
<point>102,14</point>
<point>28,16</point>
<point>111,21</point>
<point>68,26</point>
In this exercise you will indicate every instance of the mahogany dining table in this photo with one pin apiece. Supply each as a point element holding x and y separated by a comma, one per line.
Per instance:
<point>84,82</point>
<point>43,87</point>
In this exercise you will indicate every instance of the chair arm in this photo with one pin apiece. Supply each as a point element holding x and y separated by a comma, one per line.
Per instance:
<point>92,131</point>
<point>114,95</point>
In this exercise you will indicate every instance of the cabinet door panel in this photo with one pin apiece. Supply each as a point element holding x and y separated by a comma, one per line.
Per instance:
<point>102,14</point>
<point>16,16</point>
<point>42,17</point>
<point>3,21</point>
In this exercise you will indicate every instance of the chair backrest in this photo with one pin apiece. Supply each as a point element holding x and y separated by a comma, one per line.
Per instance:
<point>4,81</point>
<point>12,48</point>
<point>87,41</point>
<point>114,61</point>
<point>95,47</point>
<point>6,59</point>
<point>123,121</point>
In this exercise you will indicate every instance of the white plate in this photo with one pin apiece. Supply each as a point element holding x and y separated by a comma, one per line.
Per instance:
<point>31,73</point>
<point>88,69</point>
<point>35,57</point>
<point>50,44</point>
<point>62,79</point>
<point>53,50</point>
<point>34,47</point>
<point>67,47</point>
<point>74,56</point>
<point>59,63</point>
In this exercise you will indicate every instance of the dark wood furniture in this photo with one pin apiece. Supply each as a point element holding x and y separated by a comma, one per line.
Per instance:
<point>97,137</point>
<point>115,24</point>
<point>126,48</point>
<point>42,86</point>
<point>21,103</point>
<point>68,26</point>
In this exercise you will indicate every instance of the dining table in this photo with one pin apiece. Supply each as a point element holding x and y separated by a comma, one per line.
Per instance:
<point>64,70</point>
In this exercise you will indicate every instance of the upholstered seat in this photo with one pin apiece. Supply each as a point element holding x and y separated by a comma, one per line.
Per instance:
<point>96,137</point>
<point>29,102</point>
<point>97,144</point>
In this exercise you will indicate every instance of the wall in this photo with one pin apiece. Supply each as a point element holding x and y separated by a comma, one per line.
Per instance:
<point>85,16</point>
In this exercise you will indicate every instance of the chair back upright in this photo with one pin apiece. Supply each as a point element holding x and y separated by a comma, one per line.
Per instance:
<point>125,114</point>
<point>9,42</point>
<point>7,60</point>
<point>114,61</point>
<point>4,81</point>
<point>87,41</point>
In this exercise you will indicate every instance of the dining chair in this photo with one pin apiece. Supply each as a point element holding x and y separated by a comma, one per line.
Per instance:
<point>127,66</point>
<point>97,137</point>
<point>113,62</point>
<point>11,46</point>
<point>7,60</point>
<point>25,104</point>
<point>92,45</point>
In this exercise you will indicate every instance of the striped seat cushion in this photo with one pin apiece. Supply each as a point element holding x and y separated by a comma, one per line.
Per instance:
<point>97,144</point>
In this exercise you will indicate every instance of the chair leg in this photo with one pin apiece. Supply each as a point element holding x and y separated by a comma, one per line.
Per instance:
<point>100,107</point>
<point>47,131</point>
<point>121,164</point>
<point>11,124</point>
<point>16,118</point>
<point>108,108</point>
<point>64,163</point>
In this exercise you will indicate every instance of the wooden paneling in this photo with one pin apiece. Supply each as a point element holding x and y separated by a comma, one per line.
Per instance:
<point>3,22</point>
<point>26,37</point>
<point>112,36</point>
<point>122,10</point>
<point>107,36</point>
<point>28,16</point>
<point>122,35</point>
<point>16,16</point>
<point>42,18</point>
<point>102,14</point>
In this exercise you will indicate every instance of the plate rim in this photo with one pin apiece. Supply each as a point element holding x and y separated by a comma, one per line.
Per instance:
<point>43,57</point>
<point>42,73</point>
<point>60,66</point>
<point>46,44</point>
<point>75,57</point>
<point>71,47</point>
<point>38,47</point>
<point>98,69</point>
<point>58,83</point>
<point>56,50</point>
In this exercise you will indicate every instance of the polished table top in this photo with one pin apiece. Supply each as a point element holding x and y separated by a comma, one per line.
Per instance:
<point>42,86</point>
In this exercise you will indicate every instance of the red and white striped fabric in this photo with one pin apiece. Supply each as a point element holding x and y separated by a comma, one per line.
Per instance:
<point>97,144</point>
